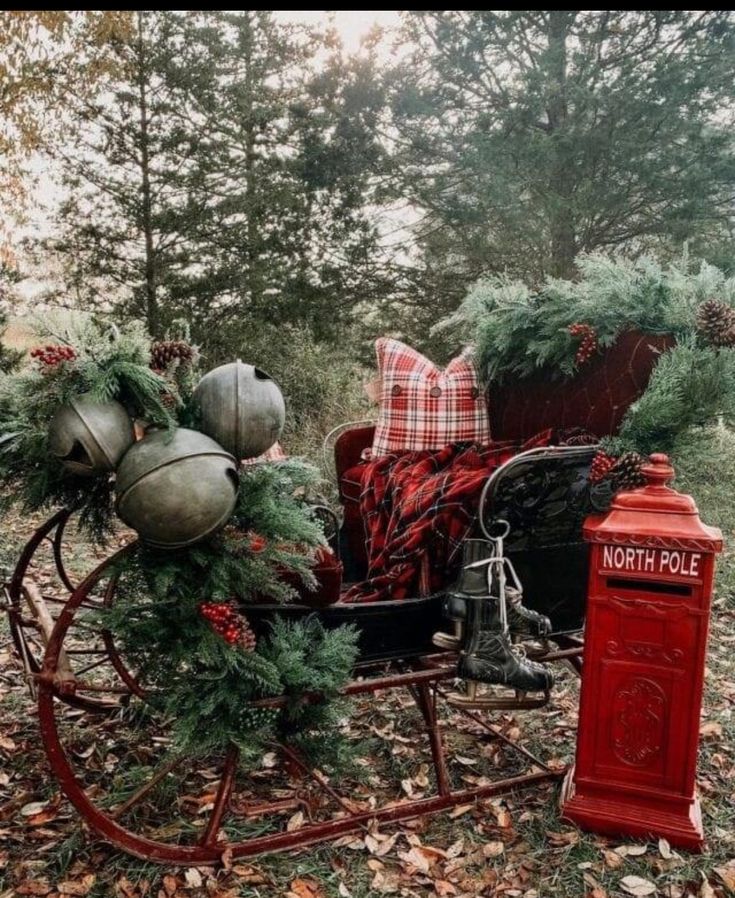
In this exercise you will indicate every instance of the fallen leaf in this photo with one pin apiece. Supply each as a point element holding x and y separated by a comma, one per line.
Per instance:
<point>295,822</point>
<point>33,887</point>
<point>493,849</point>
<point>306,888</point>
<point>170,884</point>
<point>44,817</point>
<point>77,886</point>
<point>415,858</point>
<point>612,860</point>
<point>503,817</point>
<point>636,885</point>
<point>664,849</point>
<point>631,850</point>
<point>727,875</point>
<point>387,845</point>
<point>35,807</point>
<point>248,873</point>
<point>193,878</point>
<point>568,838</point>
<point>460,810</point>
<point>711,729</point>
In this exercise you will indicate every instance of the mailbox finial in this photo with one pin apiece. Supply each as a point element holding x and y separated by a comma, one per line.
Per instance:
<point>659,471</point>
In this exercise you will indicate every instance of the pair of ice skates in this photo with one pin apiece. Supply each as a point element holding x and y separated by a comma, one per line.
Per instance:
<point>486,605</point>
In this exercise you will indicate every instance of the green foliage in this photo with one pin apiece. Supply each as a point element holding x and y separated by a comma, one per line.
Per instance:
<point>9,358</point>
<point>109,364</point>
<point>194,676</point>
<point>310,658</point>
<point>691,385</point>
<point>517,330</point>
<point>219,177</point>
<point>527,137</point>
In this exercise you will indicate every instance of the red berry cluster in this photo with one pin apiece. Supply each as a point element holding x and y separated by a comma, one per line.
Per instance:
<point>602,464</point>
<point>227,621</point>
<point>589,344</point>
<point>51,356</point>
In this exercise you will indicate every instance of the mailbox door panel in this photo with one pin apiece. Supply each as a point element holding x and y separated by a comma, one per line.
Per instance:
<point>633,742</point>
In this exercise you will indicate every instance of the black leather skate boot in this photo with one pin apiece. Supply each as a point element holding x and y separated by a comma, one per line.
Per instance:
<point>490,657</point>
<point>522,621</point>
<point>470,582</point>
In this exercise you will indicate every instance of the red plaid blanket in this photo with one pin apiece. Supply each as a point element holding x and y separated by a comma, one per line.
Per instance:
<point>418,508</point>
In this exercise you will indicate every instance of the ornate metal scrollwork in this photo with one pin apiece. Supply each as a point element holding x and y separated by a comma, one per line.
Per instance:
<point>545,495</point>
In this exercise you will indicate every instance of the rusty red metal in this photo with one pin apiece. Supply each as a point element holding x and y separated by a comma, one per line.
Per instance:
<point>650,590</point>
<point>423,680</point>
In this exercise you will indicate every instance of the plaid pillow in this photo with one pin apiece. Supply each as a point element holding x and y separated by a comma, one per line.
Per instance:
<point>423,407</point>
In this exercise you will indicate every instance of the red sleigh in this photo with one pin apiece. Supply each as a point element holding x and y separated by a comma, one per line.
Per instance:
<point>544,495</point>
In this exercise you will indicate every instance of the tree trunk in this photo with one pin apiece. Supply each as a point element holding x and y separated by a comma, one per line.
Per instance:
<point>152,311</point>
<point>562,216</point>
<point>254,285</point>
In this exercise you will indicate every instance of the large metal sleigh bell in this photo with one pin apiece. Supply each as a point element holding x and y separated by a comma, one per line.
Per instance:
<point>241,407</point>
<point>90,437</point>
<point>176,488</point>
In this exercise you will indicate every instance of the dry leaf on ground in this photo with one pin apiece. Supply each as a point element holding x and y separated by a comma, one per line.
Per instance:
<point>636,885</point>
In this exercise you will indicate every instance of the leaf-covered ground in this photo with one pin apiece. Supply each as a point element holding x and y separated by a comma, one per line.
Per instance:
<point>513,846</point>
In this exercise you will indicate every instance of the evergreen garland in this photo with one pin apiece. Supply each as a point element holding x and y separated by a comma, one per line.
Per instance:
<point>85,357</point>
<point>194,676</point>
<point>202,677</point>
<point>516,332</point>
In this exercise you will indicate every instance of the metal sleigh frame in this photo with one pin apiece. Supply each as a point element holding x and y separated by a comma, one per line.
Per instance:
<point>62,677</point>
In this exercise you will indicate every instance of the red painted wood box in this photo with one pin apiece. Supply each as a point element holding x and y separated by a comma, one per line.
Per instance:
<point>650,588</point>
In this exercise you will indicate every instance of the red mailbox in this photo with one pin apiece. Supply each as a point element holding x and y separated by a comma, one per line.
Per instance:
<point>650,586</point>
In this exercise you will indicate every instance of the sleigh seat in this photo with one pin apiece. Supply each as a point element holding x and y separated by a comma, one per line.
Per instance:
<point>544,494</point>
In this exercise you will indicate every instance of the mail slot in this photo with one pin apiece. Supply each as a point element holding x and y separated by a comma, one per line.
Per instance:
<point>648,606</point>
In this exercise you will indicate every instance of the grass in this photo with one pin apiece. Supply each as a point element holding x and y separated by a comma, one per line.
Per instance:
<point>514,846</point>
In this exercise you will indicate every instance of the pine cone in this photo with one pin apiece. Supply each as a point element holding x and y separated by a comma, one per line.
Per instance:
<point>627,473</point>
<point>601,466</point>
<point>589,344</point>
<point>247,637</point>
<point>166,351</point>
<point>169,400</point>
<point>716,323</point>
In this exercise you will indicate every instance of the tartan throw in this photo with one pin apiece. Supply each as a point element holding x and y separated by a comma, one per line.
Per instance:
<point>423,407</point>
<point>418,508</point>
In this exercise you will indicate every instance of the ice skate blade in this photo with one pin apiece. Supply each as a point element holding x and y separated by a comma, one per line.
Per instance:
<point>518,702</point>
<point>537,649</point>
<point>446,641</point>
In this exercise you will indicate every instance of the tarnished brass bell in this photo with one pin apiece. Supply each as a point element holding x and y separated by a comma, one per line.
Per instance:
<point>241,407</point>
<point>176,488</point>
<point>90,437</point>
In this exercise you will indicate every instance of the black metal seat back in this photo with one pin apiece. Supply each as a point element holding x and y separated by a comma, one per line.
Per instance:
<point>545,495</point>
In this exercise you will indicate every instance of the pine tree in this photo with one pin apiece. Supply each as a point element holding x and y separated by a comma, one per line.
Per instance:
<point>225,182</point>
<point>527,137</point>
